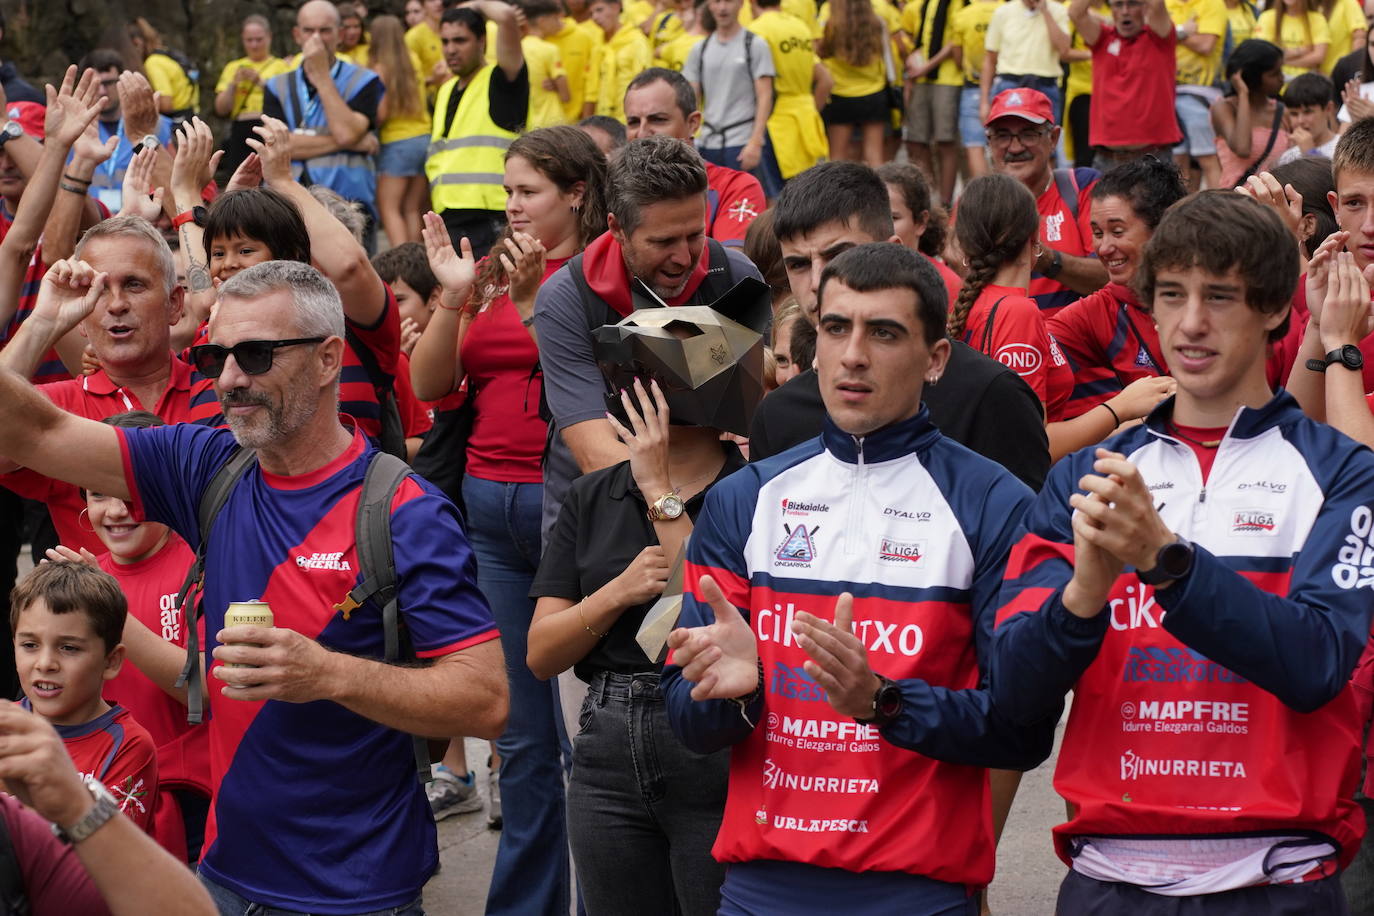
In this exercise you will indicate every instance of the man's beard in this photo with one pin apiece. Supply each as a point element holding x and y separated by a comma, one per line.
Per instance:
<point>269,427</point>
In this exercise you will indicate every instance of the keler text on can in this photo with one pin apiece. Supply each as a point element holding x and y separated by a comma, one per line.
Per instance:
<point>247,613</point>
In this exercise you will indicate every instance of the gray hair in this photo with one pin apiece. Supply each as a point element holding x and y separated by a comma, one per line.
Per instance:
<point>348,212</point>
<point>137,227</point>
<point>319,312</point>
<point>651,170</point>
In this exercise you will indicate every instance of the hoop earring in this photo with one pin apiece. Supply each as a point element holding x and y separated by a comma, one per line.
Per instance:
<point>84,515</point>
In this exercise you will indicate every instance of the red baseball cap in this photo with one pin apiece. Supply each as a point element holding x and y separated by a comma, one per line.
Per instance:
<point>1030,104</point>
<point>29,116</point>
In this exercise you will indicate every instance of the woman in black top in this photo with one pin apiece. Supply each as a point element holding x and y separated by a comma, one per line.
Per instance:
<point>643,811</point>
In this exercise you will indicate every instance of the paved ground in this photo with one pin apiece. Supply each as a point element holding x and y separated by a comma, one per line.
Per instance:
<point>1028,873</point>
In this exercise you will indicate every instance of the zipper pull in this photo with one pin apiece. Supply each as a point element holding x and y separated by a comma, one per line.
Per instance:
<point>1202,495</point>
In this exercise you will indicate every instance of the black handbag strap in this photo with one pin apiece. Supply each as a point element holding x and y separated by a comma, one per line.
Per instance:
<point>1268,147</point>
<point>987,329</point>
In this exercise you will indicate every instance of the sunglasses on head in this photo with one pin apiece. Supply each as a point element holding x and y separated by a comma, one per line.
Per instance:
<point>253,356</point>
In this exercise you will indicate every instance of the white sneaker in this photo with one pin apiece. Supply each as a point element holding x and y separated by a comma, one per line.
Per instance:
<point>450,795</point>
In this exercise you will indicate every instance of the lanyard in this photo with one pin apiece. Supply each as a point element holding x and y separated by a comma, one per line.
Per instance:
<point>111,166</point>
<point>310,105</point>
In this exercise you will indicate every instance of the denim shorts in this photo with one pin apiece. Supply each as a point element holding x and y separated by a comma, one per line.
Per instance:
<point>971,130</point>
<point>1195,119</point>
<point>403,158</point>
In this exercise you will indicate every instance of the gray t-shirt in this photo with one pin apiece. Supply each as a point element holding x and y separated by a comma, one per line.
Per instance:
<point>573,385</point>
<point>726,74</point>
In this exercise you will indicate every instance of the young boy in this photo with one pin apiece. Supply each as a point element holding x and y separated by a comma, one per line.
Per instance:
<point>406,270</point>
<point>66,619</point>
<point>1308,98</point>
<point>1202,584</point>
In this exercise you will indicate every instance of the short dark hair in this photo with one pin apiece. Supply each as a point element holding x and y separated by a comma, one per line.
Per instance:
<point>465,15</point>
<point>1149,185</point>
<point>263,215</point>
<point>1310,176</point>
<point>886,265</point>
<point>683,93</point>
<point>650,170</point>
<point>801,345</point>
<point>844,192</point>
<point>102,59</point>
<point>1224,232</point>
<point>406,262</point>
<point>761,246</point>
<point>1308,90</point>
<point>608,126</point>
<point>533,9</point>
<point>65,587</point>
<point>1354,150</point>
<point>1252,58</point>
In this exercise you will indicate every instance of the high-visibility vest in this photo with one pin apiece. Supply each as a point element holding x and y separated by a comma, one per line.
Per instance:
<point>351,174</point>
<point>467,159</point>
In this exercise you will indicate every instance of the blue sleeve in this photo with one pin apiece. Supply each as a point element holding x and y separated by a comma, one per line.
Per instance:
<point>1039,649</point>
<point>1303,646</point>
<point>169,467</point>
<point>164,130</point>
<point>965,726</point>
<point>436,573</point>
<point>716,548</point>
<point>573,385</point>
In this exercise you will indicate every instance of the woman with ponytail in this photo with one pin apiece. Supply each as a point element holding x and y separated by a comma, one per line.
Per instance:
<point>998,232</point>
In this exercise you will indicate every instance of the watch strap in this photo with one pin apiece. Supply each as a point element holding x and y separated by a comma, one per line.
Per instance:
<point>181,219</point>
<point>105,808</point>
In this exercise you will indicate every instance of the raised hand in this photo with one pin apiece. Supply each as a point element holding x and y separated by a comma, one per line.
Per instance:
<point>523,262</point>
<point>68,293</point>
<point>1282,199</point>
<point>721,658</point>
<point>90,149</point>
<point>138,103</point>
<point>1319,272</point>
<point>316,60</point>
<point>71,108</point>
<point>273,146</point>
<point>456,273</point>
<point>1345,315</point>
<point>647,438</point>
<point>410,335</point>
<point>247,175</point>
<point>139,198</point>
<point>193,166</point>
<point>58,553</point>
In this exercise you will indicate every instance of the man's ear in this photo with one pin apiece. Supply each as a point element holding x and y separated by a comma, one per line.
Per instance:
<point>176,303</point>
<point>693,124</point>
<point>615,228</point>
<point>330,354</point>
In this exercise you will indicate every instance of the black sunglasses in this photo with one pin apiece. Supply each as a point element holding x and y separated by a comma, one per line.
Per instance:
<point>253,356</point>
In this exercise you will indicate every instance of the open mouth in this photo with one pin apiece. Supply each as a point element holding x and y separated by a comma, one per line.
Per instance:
<point>45,689</point>
<point>119,331</point>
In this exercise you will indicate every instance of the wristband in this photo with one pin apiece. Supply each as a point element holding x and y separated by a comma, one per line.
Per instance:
<point>584,623</point>
<point>1115,418</point>
<point>72,188</point>
<point>85,181</point>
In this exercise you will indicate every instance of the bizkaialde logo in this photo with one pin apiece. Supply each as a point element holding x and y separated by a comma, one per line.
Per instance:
<point>324,561</point>
<point>1355,566</point>
<point>909,553</point>
<point>798,548</point>
<point>1253,522</point>
<point>801,507</point>
<point>775,777</point>
<point>1133,767</point>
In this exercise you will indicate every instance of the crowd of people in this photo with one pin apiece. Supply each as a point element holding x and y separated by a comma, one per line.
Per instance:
<point>651,390</point>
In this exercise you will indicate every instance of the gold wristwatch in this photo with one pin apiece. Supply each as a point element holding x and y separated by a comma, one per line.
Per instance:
<point>666,508</point>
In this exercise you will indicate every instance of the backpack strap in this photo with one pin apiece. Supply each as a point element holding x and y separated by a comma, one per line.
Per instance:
<point>393,437</point>
<point>377,565</point>
<point>14,901</point>
<point>987,328</point>
<point>1067,183</point>
<point>211,502</point>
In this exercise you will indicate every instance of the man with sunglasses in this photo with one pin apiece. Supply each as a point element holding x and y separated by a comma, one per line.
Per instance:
<point>1022,138</point>
<point>317,807</point>
<point>1133,80</point>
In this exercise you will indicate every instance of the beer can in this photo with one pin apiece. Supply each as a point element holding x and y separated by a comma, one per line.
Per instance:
<point>255,613</point>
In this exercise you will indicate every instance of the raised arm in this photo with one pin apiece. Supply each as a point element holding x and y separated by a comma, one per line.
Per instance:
<point>193,168</point>
<point>332,247</point>
<point>510,57</point>
<point>1157,19</point>
<point>435,366</point>
<point>1059,37</point>
<point>142,119</point>
<point>1088,25</point>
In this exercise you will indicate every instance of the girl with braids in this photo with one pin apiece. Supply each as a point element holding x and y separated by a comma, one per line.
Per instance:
<point>999,232</point>
<point>918,224</point>
<point>555,181</point>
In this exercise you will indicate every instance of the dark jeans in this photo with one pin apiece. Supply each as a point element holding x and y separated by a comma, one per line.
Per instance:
<point>1083,896</point>
<point>768,173</point>
<point>531,870</point>
<point>1080,110</point>
<point>1358,879</point>
<point>643,811</point>
<point>231,904</point>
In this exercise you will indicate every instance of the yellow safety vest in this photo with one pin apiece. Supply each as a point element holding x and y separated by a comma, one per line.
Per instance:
<point>467,162</point>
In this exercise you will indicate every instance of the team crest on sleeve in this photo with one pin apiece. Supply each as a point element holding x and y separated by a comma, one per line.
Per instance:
<point>743,210</point>
<point>798,548</point>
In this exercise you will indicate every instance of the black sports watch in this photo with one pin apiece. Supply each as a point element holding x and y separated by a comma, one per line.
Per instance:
<point>1348,356</point>
<point>11,131</point>
<point>1173,561</point>
<point>1056,264</point>
<point>887,703</point>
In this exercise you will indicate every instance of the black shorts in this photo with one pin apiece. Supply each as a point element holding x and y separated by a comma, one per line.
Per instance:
<point>861,109</point>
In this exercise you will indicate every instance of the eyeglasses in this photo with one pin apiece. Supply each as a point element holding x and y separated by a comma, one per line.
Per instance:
<point>1027,136</point>
<point>253,356</point>
<point>1126,4</point>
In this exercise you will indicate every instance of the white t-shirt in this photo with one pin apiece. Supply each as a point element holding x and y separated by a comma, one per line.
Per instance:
<point>726,72</point>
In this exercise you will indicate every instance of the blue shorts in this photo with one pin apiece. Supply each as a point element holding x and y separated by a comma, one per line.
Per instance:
<point>403,158</point>
<point>1195,119</point>
<point>971,129</point>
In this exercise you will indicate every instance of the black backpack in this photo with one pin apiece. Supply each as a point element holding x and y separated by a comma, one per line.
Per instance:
<point>372,528</point>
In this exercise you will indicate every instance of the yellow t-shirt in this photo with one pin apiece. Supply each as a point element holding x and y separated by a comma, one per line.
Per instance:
<point>400,126</point>
<point>575,48</point>
<point>248,98</point>
<point>358,55</point>
<point>970,27</point>
<point>1242,20</point>
<point>1021,41</point>
<point>1298,32</point>
<point>664,28</point>
<point>636,13</point>
<point>794,57</point>
<point>673,54</point>
<point>922,34</point>
<point>853,81</point>
<point>424,43</point>
<point>166,76</point>
<point>544,63</point>
<point>619,61</point>
<point>1346,17</point>
<point>592,87</point>
<point>805,10</point>
<point>1195,69</point>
